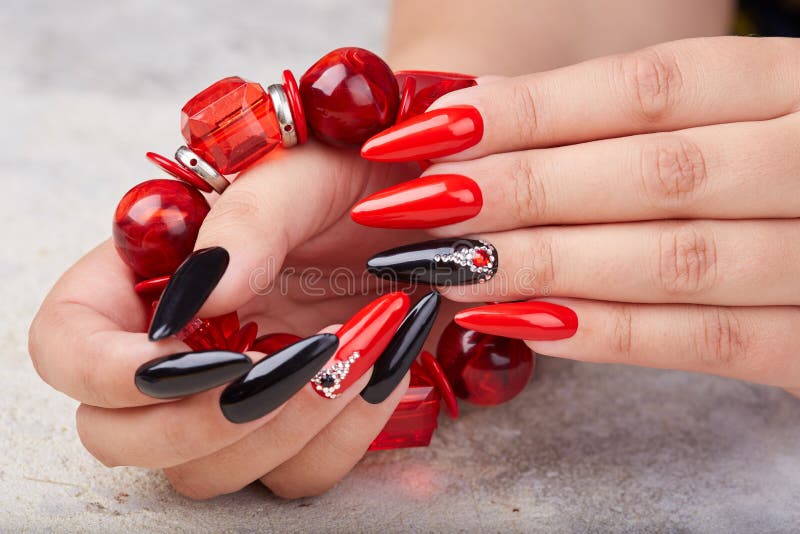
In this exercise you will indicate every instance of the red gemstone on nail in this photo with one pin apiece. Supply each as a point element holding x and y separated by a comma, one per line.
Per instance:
<point>480,258</point>
<point>156,224</point>
<point>231,124</point>
<point>484,369</point>
<point>349,95</point>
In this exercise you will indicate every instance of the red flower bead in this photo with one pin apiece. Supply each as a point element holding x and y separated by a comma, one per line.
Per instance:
<point>156,224</point>
<point>349,95</point>
<point>231,124</point>
<point>422,88</point>
<point>484,369</point>
<point>271,343</point>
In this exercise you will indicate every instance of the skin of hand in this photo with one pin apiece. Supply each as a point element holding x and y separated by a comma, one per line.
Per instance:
<point>286,214</point>
<point>654,193</point>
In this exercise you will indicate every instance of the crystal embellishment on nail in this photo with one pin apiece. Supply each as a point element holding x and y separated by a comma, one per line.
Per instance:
<point>479,259</point>
<point>329,380</point>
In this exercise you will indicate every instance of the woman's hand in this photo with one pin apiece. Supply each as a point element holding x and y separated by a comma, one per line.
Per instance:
<point>289,212</point>
<point>655,194</point>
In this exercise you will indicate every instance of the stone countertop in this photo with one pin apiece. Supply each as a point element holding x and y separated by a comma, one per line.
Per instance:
<point>89,86</point>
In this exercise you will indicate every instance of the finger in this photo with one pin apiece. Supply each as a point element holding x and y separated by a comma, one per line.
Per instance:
<point>237,464</point>
<point>730,171</point>
<point>757,344</point>
<point>333,453</point>
<point>83,340</point>
<point>666,87</point>
<point>173,433</point>
<point>730,263</point>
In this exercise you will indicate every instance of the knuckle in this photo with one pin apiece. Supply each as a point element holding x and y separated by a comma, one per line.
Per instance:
<point>523,103</point>
<point>527,197</point>
<point>233,209</point>
<point>83,426</point>
<point>181,483</point>
<point>687,261</point>
<point>652,79</point>
<point>622,332</point>
<point>673,171</point>
<point>538,255</point>
<point>721,339</point>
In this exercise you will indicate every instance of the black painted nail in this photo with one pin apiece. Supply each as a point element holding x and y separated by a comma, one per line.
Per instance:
<point>187,373</point>
<point>441,262</point>
<point>187,290</point>
<point>394,362</point>
<point>273,380</point>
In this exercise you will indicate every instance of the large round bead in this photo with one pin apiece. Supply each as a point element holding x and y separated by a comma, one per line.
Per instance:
<point>482,368</point>
<point>349,95</point>
<point>156,224</point>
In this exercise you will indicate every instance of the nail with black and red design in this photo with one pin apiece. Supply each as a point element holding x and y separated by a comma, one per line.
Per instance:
<point>441,262</point>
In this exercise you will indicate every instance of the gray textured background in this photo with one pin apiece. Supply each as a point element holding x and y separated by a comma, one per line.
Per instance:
<point>88,87</point>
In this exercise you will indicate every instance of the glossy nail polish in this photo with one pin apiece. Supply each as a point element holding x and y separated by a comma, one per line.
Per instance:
<point>433,134</point>
<point>426,202</point>
<point>402,350</point>
<point>273,380</point>
<point>361,340</point>
<point>441,262</point>
<point>540,321</point>
<point>187,373</point>
<point>187,290</point>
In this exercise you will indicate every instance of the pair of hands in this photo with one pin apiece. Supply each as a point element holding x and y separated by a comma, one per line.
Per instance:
<point>654,194</point>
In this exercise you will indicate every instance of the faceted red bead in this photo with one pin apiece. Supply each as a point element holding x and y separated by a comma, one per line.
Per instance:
<point>349,95</point>
<point>424,87</point>
<point>480,258</point>
<point>231,124</point>
<point>415,419</point>
<point>156,224</point>
<point>484,369</point>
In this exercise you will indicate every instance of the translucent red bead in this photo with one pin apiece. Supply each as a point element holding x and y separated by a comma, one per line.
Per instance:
<point>349,95</point>
<point>231,124</point>
<point>421,88</point>
<point>482,368</point>
<point>156,224</point>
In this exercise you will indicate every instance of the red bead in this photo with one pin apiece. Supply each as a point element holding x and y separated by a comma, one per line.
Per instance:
<point>231,124</point>
<point>436,374</point>
<point>156,224</point>
<point>213,333</point>
<point>244,339</point>
<point>349,95</point>
<point>484,369</point>
<point>179,172</point>
<point>272,343</point>
<point>152,287</point>
<point>296,106</point>
<point>414,420</point>
<point>427,87</point>
<point>406,97</point>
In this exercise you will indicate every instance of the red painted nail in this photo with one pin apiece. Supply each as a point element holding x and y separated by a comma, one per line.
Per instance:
<point>434,134</point>
<point>426,202</point>
<point>538,321</point>
<point>361,340</point>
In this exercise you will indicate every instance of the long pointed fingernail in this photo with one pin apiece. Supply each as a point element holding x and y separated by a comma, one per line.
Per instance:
<point>535,320</point>
<point>187,373</point>
<point>433,134</point>
<point>396,359</point>
<point>274,380</point>
<point>426,202</point>
<point>187,290</point>
<point>441,262</point>
<point>361,340</point>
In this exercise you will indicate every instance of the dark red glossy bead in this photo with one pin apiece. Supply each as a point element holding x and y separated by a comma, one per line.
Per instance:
<point>439,378</point>
<point>231,124</point>
<point>482,368</point>
<point>349,95</point>
<point>156,224</point>
<point>422,88</point>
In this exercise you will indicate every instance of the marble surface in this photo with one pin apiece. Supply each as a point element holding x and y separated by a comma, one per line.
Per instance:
<point>89,86</point>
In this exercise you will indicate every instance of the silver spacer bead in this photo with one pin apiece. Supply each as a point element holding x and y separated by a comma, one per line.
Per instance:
<point>284,114</point>
<point>186,157</point>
